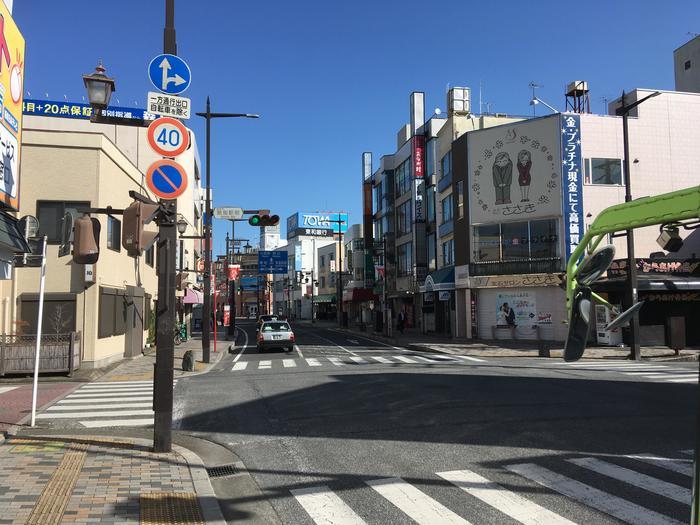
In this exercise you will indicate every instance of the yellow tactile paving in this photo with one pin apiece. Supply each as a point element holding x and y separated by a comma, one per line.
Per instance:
<point>54,498</point>
<point>176,508</point>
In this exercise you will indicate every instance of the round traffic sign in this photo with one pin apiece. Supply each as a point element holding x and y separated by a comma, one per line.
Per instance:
<point>166,179</point>
<point>169,73</point>
<point>168,136</point>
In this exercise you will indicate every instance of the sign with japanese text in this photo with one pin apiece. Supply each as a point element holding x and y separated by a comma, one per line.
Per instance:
<point>418,156</point>
<point>316,221</point>
<point>234,271</point>
<point>11,89</point>
<point>272,262</point>
<point>572,181</point>
<point>168,105</point>
<point>419,208</point>
<point>684,267</point>
<point>516,309</point>
<point>80,110</point>
<point>515,171</point>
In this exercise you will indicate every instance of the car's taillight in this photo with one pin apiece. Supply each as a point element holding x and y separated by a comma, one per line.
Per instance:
<point>291,337</point>
<point>260,338</point>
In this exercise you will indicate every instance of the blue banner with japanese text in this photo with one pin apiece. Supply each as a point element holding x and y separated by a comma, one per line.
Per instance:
<point>80,110</point>
<point>572,183</point>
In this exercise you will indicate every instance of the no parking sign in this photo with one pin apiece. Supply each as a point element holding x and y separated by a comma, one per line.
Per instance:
<point>168,137</point>
<point>167,179</point>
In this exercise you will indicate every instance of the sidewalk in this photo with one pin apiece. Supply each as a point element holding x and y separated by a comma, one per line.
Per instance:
<point>414,340</point>
<point>88,479</point>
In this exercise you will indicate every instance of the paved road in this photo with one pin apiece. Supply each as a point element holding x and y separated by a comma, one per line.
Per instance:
<point>346,430</point>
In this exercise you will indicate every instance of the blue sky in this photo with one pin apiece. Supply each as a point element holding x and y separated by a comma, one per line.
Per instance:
<point>331,80</point>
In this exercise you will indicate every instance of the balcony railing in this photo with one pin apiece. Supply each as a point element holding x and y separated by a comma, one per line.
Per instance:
<point>547,265</point>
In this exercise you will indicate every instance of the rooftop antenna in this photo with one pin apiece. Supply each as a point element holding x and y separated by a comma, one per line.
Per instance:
<point>605,104</point>
<point>690,33</point>
<point>533,85</point>
<point>480,109</point>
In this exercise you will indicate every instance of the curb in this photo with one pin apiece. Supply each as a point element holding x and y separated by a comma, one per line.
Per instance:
<point>208,502</point>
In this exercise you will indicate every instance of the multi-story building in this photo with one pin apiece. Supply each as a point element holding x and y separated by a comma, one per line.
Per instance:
<point>686,66</point>
<point>71,163</point>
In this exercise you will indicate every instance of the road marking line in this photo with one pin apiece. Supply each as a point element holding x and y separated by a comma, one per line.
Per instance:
<point>265,364</point>
<point>125,395</point>
<point>325,507</point>
<point>470,358</point>
<point>368,339</point>
<point>420,507</point>
<point>313,361</point>
<point>117,423</point>
<point>689,452</point>
<point>694,380</point>
<point>245,345</point>
<point>111,383</point>
<point>381,359</point>
<point>656,374</point>
<point>353,341</point>
<point>90,401</point>
<point>241,365</point>
<point>682,466</point>
<point>631,477</point>
<point>335,344</point>
<point>614,506</point>
<point>289,363</point>
<point>336,361</point>
<point>296,347</point>
<point>4,389</point>
<point>404,359</point>
<point>509,503</point>
<point>116,386</point>
<point>97,413</point>
<point>59,406</point>
<point>358,360</point>
<point>142,390</point>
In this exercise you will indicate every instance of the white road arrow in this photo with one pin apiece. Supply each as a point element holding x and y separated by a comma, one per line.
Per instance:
<point>165,67</point>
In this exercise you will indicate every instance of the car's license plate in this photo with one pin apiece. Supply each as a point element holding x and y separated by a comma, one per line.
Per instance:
<point>277,337</point>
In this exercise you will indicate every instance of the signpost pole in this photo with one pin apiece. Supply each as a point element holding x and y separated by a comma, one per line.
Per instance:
<point>232,291</point>
<point>38,330</point>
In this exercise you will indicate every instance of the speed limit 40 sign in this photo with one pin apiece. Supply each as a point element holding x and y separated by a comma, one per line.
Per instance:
<point>168,137</point>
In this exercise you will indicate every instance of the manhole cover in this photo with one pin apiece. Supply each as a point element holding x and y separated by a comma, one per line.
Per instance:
<point>222,471</point>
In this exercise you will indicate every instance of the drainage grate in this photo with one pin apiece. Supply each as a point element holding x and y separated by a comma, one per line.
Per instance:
<point>222,471</point>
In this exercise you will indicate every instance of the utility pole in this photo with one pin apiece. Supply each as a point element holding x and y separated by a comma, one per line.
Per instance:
<point>339,272</point>
<point>165,315</point>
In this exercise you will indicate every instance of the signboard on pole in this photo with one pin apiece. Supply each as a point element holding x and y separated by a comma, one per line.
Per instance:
<point>166,179</point>
<point>168,137</point>
<point>228,213</point>
<point>272,262</point>
<point>169,74</point>
<point>168,105</point>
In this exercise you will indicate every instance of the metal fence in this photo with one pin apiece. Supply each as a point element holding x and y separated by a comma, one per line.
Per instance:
<point>59,353</point>
<point>548,265</point>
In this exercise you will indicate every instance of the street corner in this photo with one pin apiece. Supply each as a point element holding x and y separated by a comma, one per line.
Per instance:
<point>16,401</point>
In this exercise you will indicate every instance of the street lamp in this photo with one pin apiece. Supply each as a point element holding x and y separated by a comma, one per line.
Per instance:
<point>631,291</point>
<point>206,306</point>
<point>536,100</point>
<point>181,225</point>
<point>99,87</point>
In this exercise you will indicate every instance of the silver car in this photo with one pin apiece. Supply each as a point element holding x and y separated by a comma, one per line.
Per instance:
<point>275,334</point>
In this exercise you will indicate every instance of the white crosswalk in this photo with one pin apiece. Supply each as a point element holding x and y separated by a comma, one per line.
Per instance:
<point>338,361</point>
<point>667,373</point>
<point>105,404</point>
<point>410,503</point>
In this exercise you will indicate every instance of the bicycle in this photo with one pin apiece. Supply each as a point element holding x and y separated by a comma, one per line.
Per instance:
<point>180,333</point>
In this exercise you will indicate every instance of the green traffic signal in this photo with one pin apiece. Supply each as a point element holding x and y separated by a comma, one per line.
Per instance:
<point>254,220</point>
<point>264,220</point>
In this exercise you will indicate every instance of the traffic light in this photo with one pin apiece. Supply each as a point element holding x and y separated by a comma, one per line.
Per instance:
<point>264,220</point>
<point>86,240</point>
<point>134,238</point>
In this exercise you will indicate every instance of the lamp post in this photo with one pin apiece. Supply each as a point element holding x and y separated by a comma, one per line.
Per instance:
<point>535,100</point>
<point>631,291</point>
<point>206,306</point>
<point>99,89</point>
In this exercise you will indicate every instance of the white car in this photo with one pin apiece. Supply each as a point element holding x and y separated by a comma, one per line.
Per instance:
<point>276,334</point>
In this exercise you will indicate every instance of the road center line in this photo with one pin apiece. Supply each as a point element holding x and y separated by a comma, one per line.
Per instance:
<point>244,346</point>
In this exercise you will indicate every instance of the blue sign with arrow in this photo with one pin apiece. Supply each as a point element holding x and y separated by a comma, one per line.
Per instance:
<point>169,74</point>
<point>272,262</point>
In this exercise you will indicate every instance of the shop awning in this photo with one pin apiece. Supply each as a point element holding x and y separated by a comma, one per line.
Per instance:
<point>193,296</point>
<point>359,295</point>
<point>327,298</point>
<point>649,283</point>
<point>442,279</point>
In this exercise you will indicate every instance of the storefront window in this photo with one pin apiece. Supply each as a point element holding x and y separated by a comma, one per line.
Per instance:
<point>515,240</point>
<point>544,241</point>
<point>487,243</point>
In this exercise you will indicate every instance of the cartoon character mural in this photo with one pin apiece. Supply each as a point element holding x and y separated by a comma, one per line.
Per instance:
<point>524,178</point>
<point>502,177</point>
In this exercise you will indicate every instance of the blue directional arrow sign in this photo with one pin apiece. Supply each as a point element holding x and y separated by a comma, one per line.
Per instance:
<point>272,262</point>
<point>170,74</point>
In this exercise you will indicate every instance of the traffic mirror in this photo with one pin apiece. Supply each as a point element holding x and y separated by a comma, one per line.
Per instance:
<point>578,324</point>
<point>624,318</point>
<point>595,265</point>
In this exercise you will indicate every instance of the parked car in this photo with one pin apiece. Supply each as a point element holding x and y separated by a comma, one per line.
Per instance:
<point>276,334</point>
<point>263,319</point>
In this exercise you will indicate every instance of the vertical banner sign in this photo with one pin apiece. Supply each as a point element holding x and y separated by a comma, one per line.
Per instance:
<point>368,218</point>
<point>419,212</point>
<point>418,156</point>
<point>572,181</point>
<point>11,89</point>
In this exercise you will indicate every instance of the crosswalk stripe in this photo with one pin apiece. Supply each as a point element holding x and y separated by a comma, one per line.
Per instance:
<point>380,359</point>
<point>115,386</point>
<point>682,380</point>
<point>325,507</point>
<point>125,395</point>
<point>4,389</point>
<point>289,363</point>
<point>143,390</point>
<point>240,365</point>
<point>682,466</point>
<point>470,358</point>
<point>99,423</point>
<point>90,401</point>
<point>689,452</point>
<point>509,503</point>
<point>336,361</point>
<point>614,506</point>
<point>358,360</point>
<point>98,413</point>
<point>103,383</point>
<point>313,361</point>
<point>404,359</point>
<point>669,490</point>
<point>651,374</point>
<point>420,507</point>
<point>59,406</point>
<point>265,364</point>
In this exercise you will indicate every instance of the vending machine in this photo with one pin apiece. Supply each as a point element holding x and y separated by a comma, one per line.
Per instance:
<point>606,337</point>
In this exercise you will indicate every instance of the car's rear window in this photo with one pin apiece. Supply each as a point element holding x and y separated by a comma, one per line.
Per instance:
<point>265,318</point>
<point>276,327</point>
